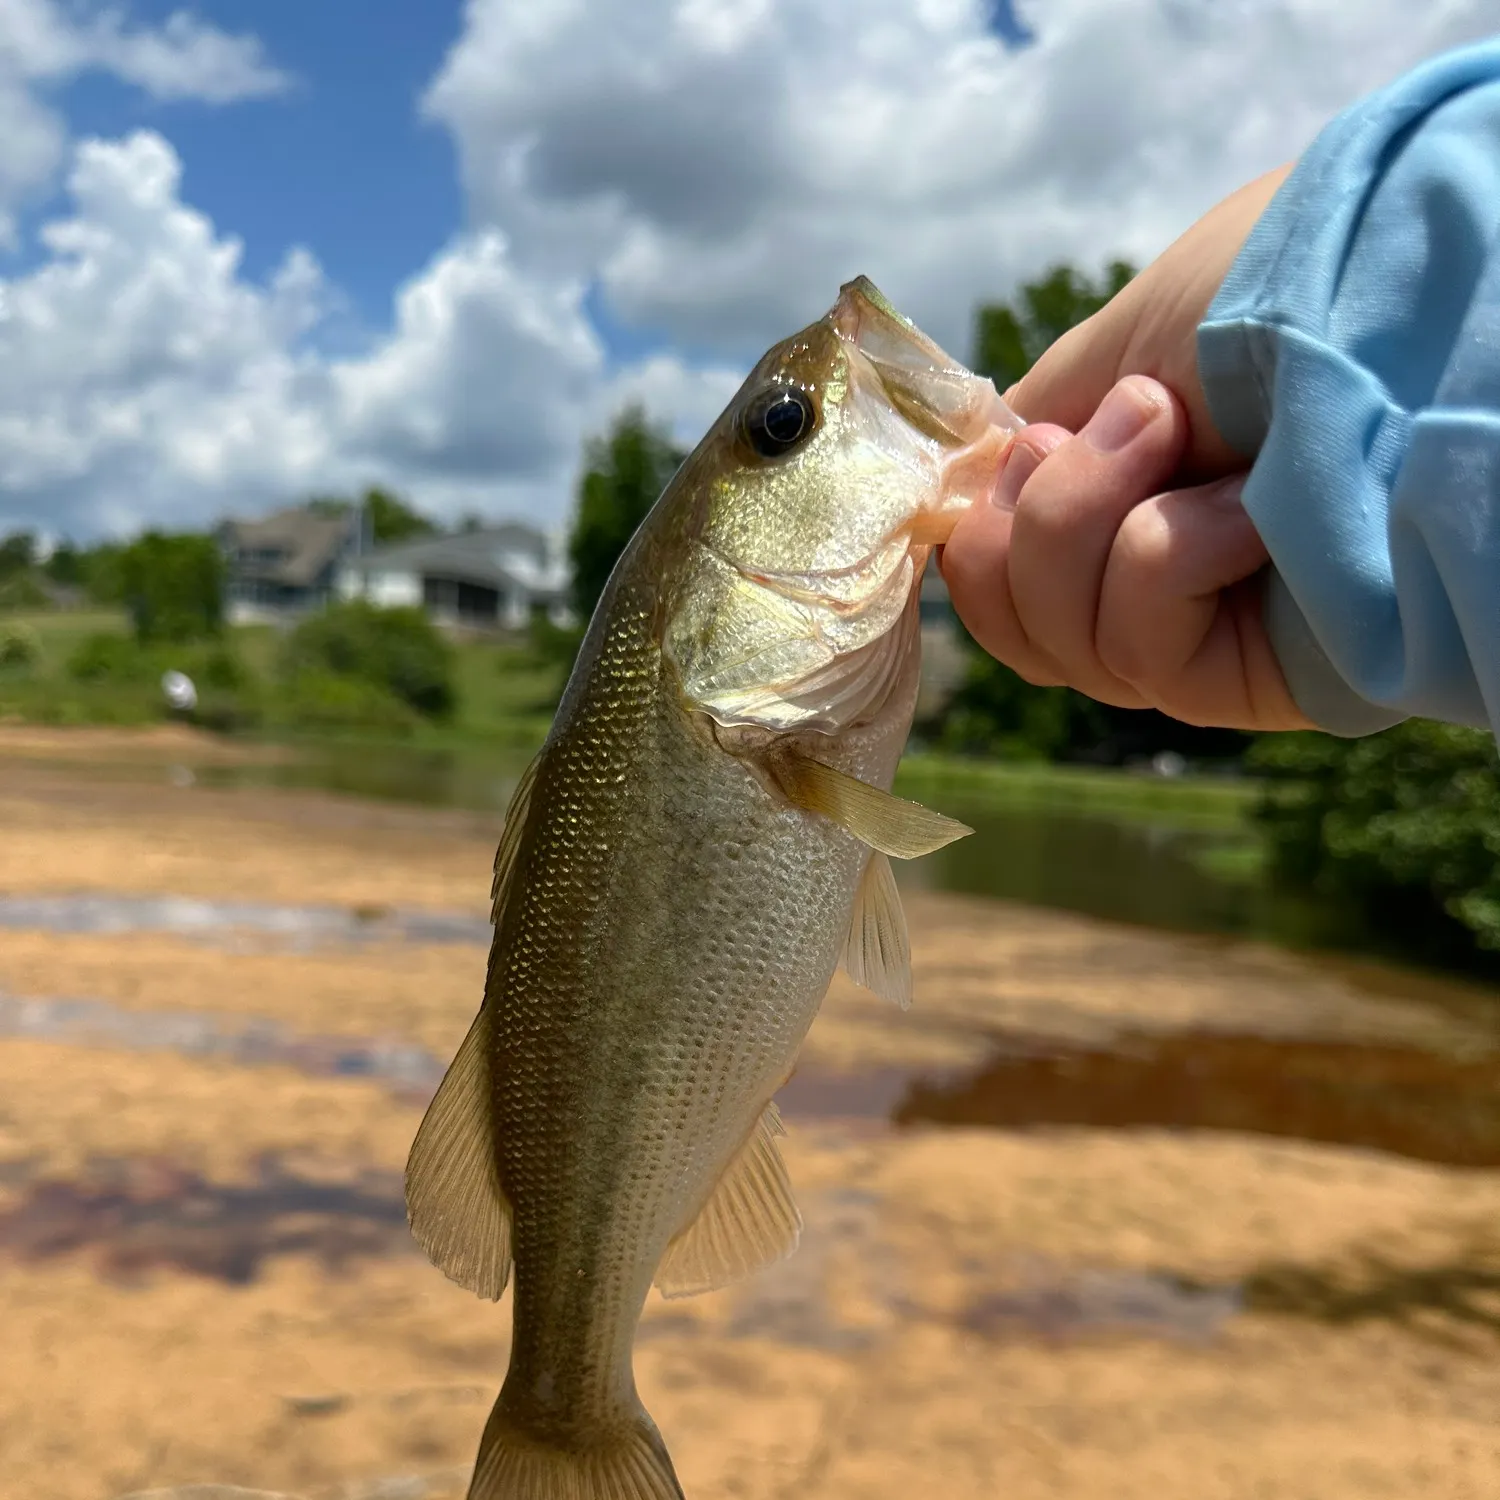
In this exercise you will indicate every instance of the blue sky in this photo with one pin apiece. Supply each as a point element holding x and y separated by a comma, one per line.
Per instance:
<point>470,233</point>
<point>342,162</point>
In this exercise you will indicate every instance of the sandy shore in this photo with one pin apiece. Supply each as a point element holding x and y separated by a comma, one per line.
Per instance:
<point>1071,1313</point>
<point>147,742</point>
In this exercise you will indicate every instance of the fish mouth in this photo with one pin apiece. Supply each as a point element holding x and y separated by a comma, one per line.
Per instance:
<point>963,414</point>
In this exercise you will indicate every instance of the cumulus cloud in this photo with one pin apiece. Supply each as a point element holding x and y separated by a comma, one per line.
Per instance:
<point>44,43</point>
<point>143,378</point>
<point>711,169</point>
<point>722,165</point>
<point>185,58</point>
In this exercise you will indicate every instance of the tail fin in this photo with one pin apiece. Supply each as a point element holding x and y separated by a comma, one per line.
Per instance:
<point>632,1464</point>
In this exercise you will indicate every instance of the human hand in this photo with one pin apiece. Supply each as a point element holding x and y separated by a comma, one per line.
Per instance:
<point>1082,572</point>
<point>1151,328</point>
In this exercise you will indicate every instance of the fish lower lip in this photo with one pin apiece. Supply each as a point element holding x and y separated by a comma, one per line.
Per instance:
<point>932,529</point>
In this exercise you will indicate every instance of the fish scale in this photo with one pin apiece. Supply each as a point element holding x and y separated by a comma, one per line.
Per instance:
<point>704,835</point>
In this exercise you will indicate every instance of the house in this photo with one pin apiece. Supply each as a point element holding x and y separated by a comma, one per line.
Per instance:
<point>488,577</point>
<point>286,563</point>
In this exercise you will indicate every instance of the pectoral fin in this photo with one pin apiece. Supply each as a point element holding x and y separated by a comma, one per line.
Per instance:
<point>749,1221</point>
<point>454,1202</point>
<point>891,824</point>
<point>877,952</point>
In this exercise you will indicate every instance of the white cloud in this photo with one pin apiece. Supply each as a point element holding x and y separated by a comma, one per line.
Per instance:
<point>717,167</point>
<point>143,379</point>
<point>44,43</point>
<point>185,58</point>
<point>724,164</point>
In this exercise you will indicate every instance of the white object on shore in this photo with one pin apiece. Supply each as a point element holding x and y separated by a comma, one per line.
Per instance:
<point>179,691</point>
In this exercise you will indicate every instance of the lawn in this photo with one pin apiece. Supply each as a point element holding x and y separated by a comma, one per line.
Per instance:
<point>505,692</point>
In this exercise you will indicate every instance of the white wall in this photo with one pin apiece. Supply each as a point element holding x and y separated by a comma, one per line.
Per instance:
<point>384,590</point>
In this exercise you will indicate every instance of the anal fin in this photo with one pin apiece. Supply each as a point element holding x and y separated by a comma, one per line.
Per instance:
<point>877,952</point>
<point>454,1202</point>
<point>750,1221</point>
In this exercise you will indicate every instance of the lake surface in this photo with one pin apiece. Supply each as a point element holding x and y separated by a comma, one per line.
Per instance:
<point>1146,870</point>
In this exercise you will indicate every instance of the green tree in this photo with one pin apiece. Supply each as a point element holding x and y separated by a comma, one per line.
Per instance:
<point>17,554</point>
<point>996,712</point>
<point>1399,830</point>
<point>623,475</point>
<point>173,586</point>
<point>100,572</point>
<point>387,517</point>
<point>1009,337</point>
<point>391,519</point>
<point>65,565</point>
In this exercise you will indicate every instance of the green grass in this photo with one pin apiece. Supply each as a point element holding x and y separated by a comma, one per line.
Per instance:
<point>505,689</point>
<point>505,695</point>
<point>60,631</point>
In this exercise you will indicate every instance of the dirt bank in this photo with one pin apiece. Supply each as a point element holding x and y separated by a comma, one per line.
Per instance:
<point>1054,1314</point>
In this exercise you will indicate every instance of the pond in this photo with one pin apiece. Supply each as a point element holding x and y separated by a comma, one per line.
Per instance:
<point>1152,868</point>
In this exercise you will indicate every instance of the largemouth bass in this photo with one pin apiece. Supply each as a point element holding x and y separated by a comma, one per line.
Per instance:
<point>704,836</point>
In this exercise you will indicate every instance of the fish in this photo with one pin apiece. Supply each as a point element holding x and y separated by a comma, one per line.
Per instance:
<point>704,836</point>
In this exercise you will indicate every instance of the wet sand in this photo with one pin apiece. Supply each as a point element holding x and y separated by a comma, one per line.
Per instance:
<point>205,1279</point>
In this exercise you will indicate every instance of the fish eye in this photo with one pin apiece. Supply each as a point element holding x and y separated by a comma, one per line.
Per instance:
<point>778,419</point>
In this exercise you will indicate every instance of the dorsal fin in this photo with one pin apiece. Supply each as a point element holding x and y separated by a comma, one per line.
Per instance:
<point>749,1221</point>
<point>510,836</point>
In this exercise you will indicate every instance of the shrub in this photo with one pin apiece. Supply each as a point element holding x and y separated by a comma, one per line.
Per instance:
<point>326,701</point>
<point>21,591</point>
<point>20,650</point>
<point>398,651</point>
<point>1403,826</point>
<point>108,657</point>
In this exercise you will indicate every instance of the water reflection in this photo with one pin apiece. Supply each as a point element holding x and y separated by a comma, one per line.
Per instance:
<point>1138,870</point>
<point>1424,1105</point>
<point>137,1216</point>
<point>1146,873</point>
<point>411,1071</point>
<point>1055,1304</point>
<point>299,928</point>
<point>1381,1096</point>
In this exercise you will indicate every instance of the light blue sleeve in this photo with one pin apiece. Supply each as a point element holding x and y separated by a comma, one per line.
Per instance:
<point>1354,349</point>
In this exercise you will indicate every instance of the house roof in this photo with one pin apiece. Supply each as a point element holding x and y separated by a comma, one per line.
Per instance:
<point>304,541</point>
<point>505,556</point>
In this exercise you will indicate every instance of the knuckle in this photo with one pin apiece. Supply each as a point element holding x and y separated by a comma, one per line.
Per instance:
<point>1123,657</point>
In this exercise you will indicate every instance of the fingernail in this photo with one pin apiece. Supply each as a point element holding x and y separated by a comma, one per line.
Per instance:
<point>1228,494</point>
<point>1020,464</point>
<point>1122,414</point>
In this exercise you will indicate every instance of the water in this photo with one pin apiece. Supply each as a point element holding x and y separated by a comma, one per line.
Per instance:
<point>409,1070</point>
<point>131,1217</point>
<point>1146,873</point>
<point>234,923</point>
<point>1423,1105</point>
<point>1143,871</point>
<point>1380,1096</point>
